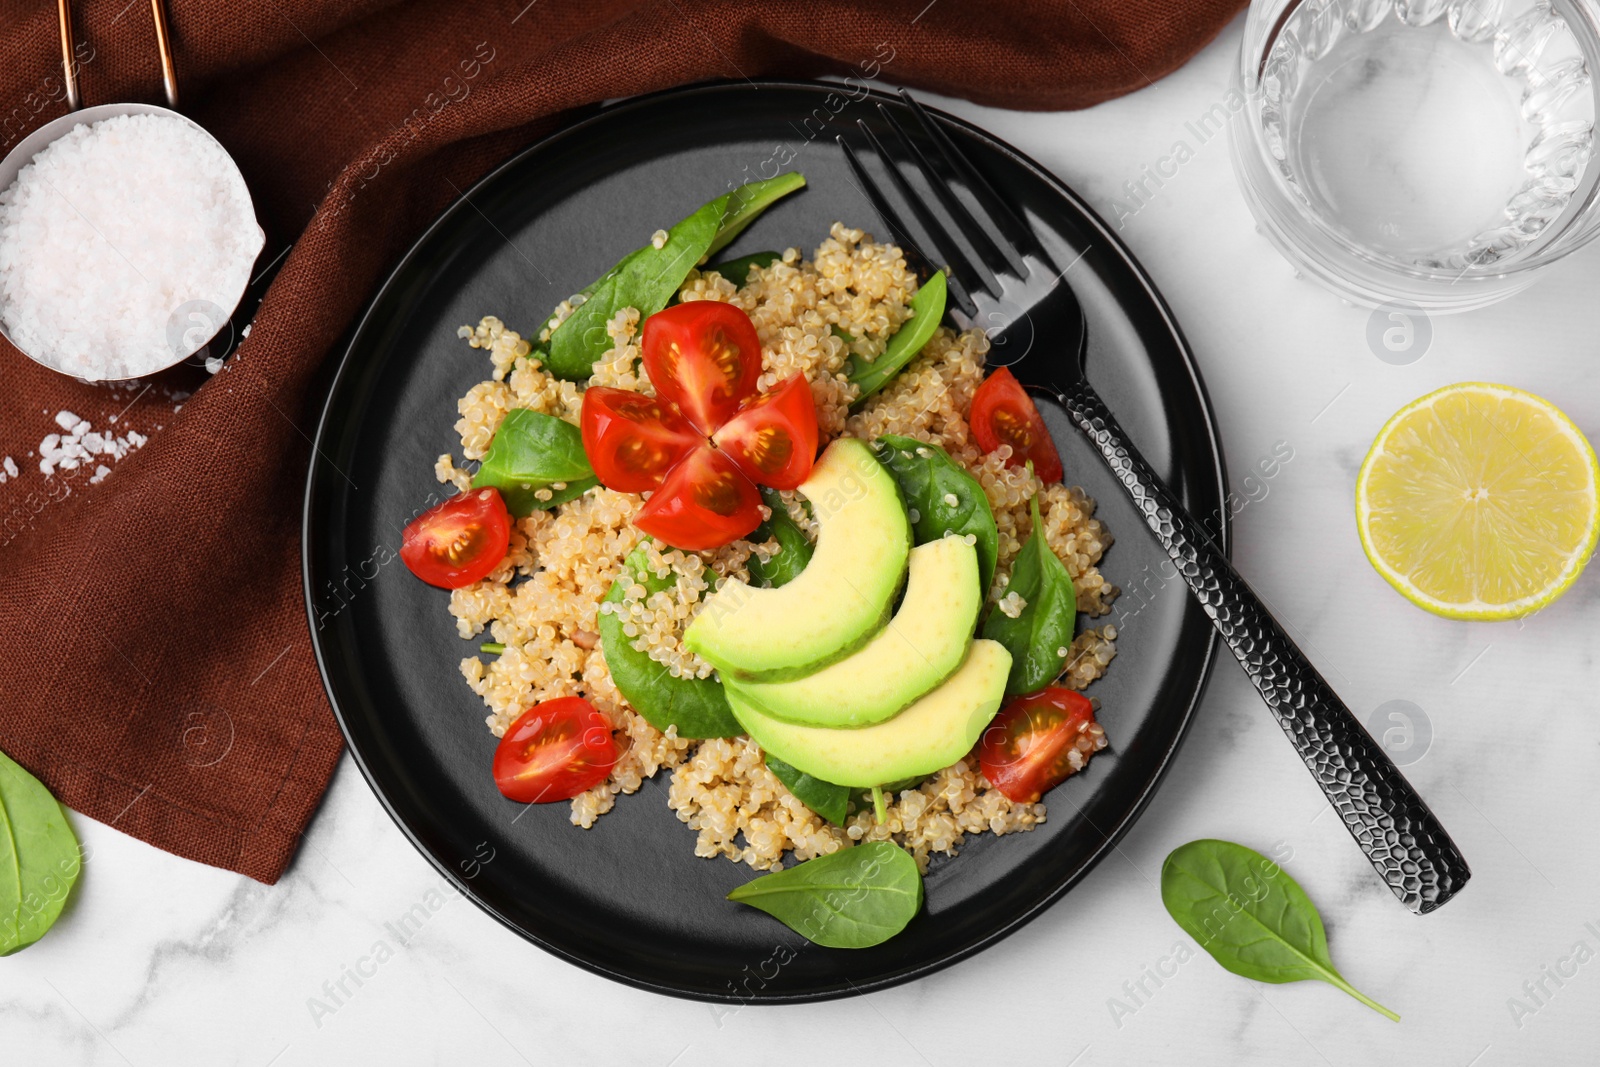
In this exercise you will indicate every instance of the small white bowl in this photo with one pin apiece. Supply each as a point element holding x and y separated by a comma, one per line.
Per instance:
<point>36,142</point>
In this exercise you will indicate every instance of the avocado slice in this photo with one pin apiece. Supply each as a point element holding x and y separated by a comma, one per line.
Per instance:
<point>922,646</point>
<point>839,601</point>
<point>928,736</point>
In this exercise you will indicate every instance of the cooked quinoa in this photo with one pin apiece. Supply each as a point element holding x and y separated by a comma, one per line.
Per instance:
<point>543,600</point>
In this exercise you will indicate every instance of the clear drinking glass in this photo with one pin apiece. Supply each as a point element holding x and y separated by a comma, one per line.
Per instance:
<point>1432,151</point>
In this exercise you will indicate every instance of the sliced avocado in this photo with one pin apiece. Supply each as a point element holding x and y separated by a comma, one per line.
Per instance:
<point>928,736</point>
<point>922,646</point>
<point>839,601</point>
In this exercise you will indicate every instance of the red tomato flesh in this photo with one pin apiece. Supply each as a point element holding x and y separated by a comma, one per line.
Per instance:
<point>459,541</point>
<point>773,438</point>
<point>554,751</point>
<point>704,357</point>
<point>632,440</point>
<point>1037,741</point>
<point>704,503</point>
<point>1004,414</point>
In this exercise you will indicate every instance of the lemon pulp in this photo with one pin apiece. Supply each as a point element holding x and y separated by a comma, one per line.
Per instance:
<point>1479,501</point>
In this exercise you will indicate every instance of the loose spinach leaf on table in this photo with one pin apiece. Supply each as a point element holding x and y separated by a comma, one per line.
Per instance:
<point>927,310</point>
<point>830,801</point>
<point>1038,635</point>
<point>647,278</point>
<point>533,451</point>
<point>796,547</point>
<point>39,858</point>
<point>928,477</point>
<point>696,706</point>
<point>854,898</point>
<point>1250,916</point>
<point>738,270</point>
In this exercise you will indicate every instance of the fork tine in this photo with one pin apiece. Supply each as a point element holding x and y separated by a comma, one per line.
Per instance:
<point>1020,234</point>
<point>996,259</point>
<point>922,262</point>
<point>945,246</point>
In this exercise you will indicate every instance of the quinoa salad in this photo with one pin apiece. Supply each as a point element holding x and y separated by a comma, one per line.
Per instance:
<point>713,418</point>
<point>543,600</point>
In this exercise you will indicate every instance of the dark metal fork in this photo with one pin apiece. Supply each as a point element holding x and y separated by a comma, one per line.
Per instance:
<point>1015,289</point>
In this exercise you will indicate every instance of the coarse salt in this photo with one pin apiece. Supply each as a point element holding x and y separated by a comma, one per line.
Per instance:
<point>124,246</point>
<point>79,446</point>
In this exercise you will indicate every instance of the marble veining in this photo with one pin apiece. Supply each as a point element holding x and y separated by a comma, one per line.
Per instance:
<point>163,962</point>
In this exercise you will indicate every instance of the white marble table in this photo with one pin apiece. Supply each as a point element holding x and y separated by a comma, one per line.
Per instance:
<point>159,961</point>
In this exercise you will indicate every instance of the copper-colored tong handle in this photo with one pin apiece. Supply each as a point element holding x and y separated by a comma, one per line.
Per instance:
<point>69,63</point>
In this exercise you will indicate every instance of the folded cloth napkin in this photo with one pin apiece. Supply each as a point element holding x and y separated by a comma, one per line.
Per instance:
<point>159,674</point>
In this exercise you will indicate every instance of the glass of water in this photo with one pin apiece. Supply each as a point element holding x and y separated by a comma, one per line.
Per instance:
<point>1432,151</point>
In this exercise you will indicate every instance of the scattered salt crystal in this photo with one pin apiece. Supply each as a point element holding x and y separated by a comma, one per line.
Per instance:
<point>11,466</point>
<point>152,210</point>
<point>100,473</point>
<point>67,420</point>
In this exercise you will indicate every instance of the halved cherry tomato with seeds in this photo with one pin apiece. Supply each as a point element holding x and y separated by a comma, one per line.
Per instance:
<point>554,751</point>
<point>773,438</point>
<point>1037,741</point>
<point>459,541</point>
<point>632,440</point>
<point>707,439</point>
<point>704,357</point>
<point>1004,414</point>
<point>705,502</point>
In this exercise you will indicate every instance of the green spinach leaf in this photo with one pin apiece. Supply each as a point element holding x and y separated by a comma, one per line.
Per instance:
<point>927,310</point>
<point>854,898</point>
<point>796,548</point>
<point>533,451</point>
<point>647,278</point>
<point>738,270</point>
<point>39,858</point>
<point>830,801</point>
<point>929,479</point>
<point>696,706</point>
<point>1250,916</point>
<point>1040,637</point>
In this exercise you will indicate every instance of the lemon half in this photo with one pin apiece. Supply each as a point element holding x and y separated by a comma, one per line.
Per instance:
<point>1479,501</point>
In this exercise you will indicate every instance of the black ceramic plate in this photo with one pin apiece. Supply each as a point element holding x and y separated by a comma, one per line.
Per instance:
<point>628,898</point>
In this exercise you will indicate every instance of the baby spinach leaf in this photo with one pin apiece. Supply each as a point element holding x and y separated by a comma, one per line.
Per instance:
<point>854,898</point>
<point>533,451</point>
<point>927,310</point>
<point>928,482</point>
<point>830,801</point>
<point>696,706</point>
<point>738,270</point>
<point>796,548</point>
<point>1250,916</point>
<point>1037,635</point>
<point>39,858</point>
<point>647,278</point>
<point>742,206</point>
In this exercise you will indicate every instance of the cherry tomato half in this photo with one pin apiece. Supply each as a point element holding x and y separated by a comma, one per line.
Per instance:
<point>459,541</point>
<point>1036,741</point>
<point>554,751</point>
<point>704,357</point>
<point>773,438</point>
<point>632,440</point>
<point>1004,414</point>
<point>705,502</point>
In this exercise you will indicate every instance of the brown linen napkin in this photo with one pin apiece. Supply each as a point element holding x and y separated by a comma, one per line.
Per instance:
<point>158,673</point>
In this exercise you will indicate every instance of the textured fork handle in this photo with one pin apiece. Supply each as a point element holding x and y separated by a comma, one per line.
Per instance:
<point>1390,822</point>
